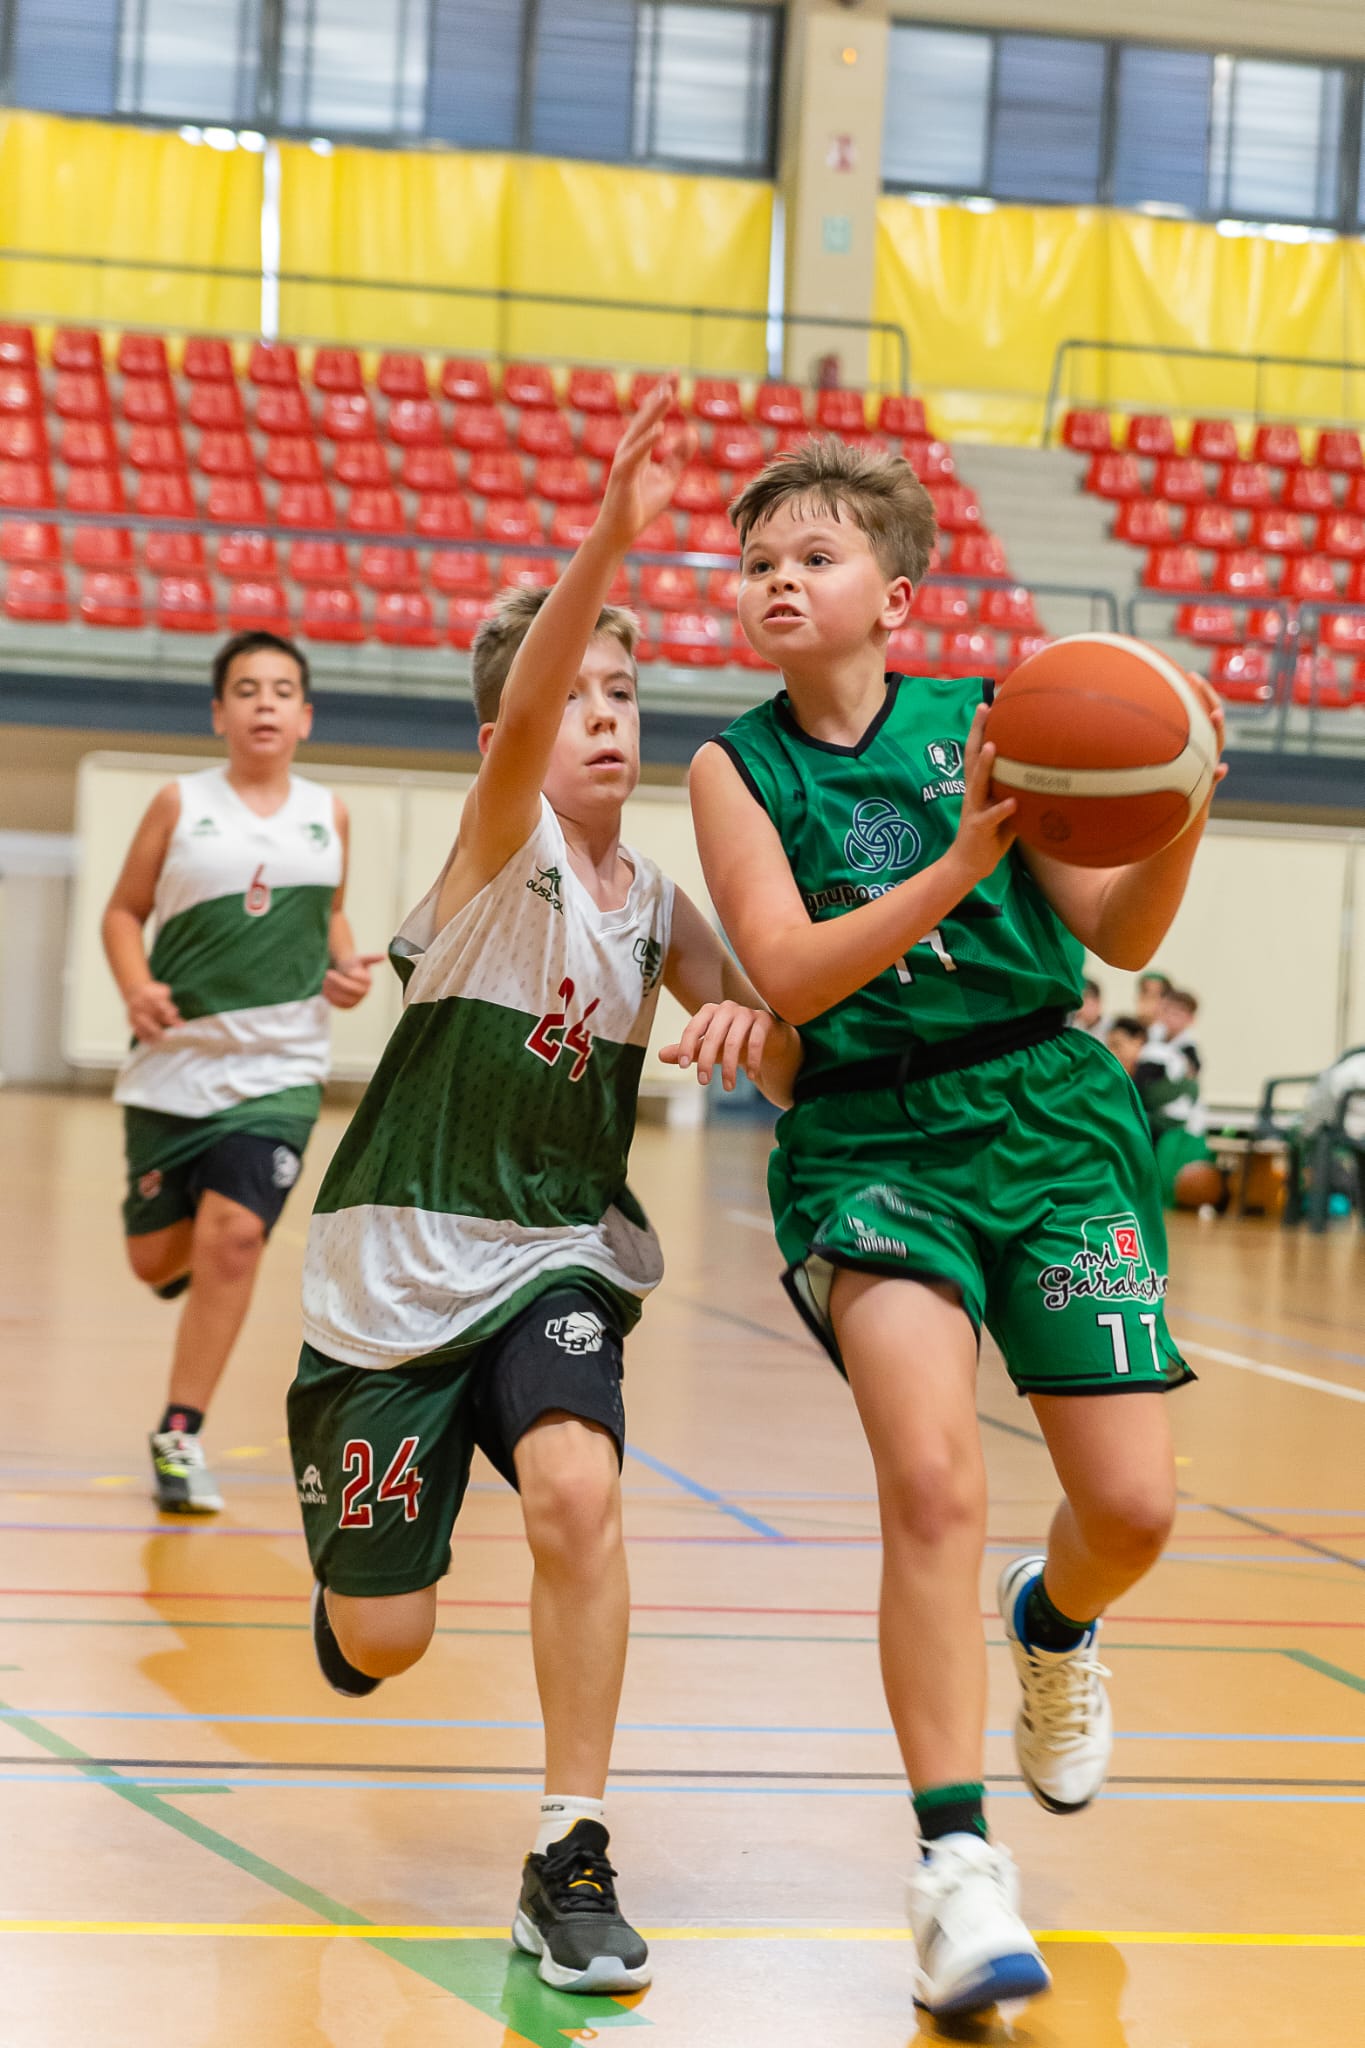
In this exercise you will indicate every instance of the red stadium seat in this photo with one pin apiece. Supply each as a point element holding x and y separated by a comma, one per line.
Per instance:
<point>283,411</point>
<point>337,369</point>
<point>415,423</point>
<point>660,537</point>
<point>979,554</point>
<point>1011,611</point>
<point>234,501</point>
<point>318,561</point>
<point>1339,450</point>
<point>93,490</point>
<point>20,391</point>
<point>717,399</point>
<point>78,349</point>
<point>1241,674</point>
<point>1023,647</point>
<point>545,434</point>
<point>699,490</point>
<point>35,594</point>
<point>562,480</point>
<point>149,402</point>
<point>16,346</point>
<point>570,526</point>
<point>593,391</point>
<point>1145,522</point>
<point>527,572</point>
<point>645,381</point>
<point>1308,490</point>
<point>331,611</point>
<point>1211,625</point>
<point>722,589</point>
<point>1175,569</point>
<point>1340,535</point>
<point>1278,532</point>
<point>403,618</point>
<point>166,494</point>
<point>968,653</point>
<point>1241,573</point>
<point>1210,526</point>
<point>840,412</point>
<point>1214,441</point>
<point>1354,500</point>
<point>174,554</point>
<point>143,355</point>
<point>112,597</point>
<point>741,654</point>
<point>528,384</point>
<point>383,567</point>
<point>403,376</point>
<point>958,508</point>
<point>512,523</point>
<point>738,447</point>
<point>89,444</point>
<point>692,640</point>
<point>273,363</point>
<point>465,383</point>
<point>1278,445</point>
<point>226,454</point>
<point>1343,632</point>
<point>1317,682</point>
<point>293,459</point>
<point>348,416</point>
<point>28,541</point>
<point>77,395</point>
<point>1180,480</point>
<point>1246,485</point>
<point>464,617</point>
<point>478,428</point>
<point>907,651</point>
<point>259,605</point>
<point>898,415</point>
<point>102,547</point>
<point>1309,577</point>
<point>1114,475</point>
<point>361,465</point>
<point>461,572</point>
<point>1150,433</point>
<point>375,511</point>
<point>247,557</point>
<point>667,588</point>
<point>185,604</point>
<point>789,439</point>
<point>1089,433</point>
<point>708,533</point>
<point>305,504</point>
<point>780,405</point>
<point>496,473</point>
<point>941,604</point>
<point>23,438</point>
<point>1265,626</point>
<point>932,461</point>
<point>208,360</point>
<point>444,515</point>
<point>428,469</point>
<point>601,435</point>
<point>1355,583</point>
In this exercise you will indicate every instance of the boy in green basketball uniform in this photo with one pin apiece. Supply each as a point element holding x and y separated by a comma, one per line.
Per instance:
<point>243,869</point>
<point>955,1156</point>
<point>476,1258</point>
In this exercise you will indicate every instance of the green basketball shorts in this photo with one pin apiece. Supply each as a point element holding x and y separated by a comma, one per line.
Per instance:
<point>1028,1183</point>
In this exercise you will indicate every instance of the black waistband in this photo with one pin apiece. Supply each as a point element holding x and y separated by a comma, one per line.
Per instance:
<point>921,1062</point>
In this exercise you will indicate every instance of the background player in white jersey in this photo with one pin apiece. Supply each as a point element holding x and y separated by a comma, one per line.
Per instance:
<point>244,869</point>
<point>475,1257</point>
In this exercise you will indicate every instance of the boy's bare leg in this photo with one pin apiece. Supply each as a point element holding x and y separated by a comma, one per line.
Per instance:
<point>1114,1457</point>
<point>226,1250</point>
<point>911,1356</point>
<point>157,1256</point>
<point>385,1635</point>
<point>580,1595</point>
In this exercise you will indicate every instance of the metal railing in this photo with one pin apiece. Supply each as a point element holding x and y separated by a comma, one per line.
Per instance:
<point>1328,391</point>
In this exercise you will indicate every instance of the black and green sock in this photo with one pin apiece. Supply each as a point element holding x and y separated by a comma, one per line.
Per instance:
<point>1045,1626</point>
<point>950,1810</point>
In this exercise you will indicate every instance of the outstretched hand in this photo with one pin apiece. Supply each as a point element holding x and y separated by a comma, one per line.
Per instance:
<point>650,459</point>
<point>347,982</point>
<point>727,1033</point>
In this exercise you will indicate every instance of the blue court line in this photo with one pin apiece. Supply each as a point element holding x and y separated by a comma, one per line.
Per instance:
<point>700,1492</point>
<point>1189,1315</point>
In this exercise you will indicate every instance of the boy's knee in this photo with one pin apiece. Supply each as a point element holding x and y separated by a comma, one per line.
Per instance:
<point>571,1495</point>
<point>1129,1527</point>
<point>227,1247</point>
<point>933,1499</point>
<point>386,1636</point>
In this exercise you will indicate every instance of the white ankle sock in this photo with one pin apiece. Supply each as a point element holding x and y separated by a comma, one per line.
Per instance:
<point>558,1813</point>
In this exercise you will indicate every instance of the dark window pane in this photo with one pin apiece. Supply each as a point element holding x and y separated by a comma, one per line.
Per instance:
<point>474,83</point>
<point>938,88</point>
<point>1049,108</point>
<point>1161,139</point>
<point>584,77</point>
<point>66,55</point>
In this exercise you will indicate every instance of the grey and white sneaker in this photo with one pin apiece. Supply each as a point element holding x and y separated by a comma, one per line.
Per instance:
<point>182,1481</point>
<point>568,1916</point>
<point>972,1948</point>
<point>1064,1730</point>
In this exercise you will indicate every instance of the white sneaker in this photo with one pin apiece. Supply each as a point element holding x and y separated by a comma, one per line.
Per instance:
<point>972,1947</point>
<point>1064,1730</point>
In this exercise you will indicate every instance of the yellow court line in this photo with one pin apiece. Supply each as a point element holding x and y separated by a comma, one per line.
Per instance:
<point>228,1930</point>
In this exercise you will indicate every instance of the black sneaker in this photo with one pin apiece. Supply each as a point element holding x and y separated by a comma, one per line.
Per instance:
<point>341,1676</point>
<point>184,1484</point>
<point>568,1916</point>
<point>171,1290</point>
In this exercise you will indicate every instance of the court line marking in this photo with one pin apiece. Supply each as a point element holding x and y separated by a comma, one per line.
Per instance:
<point>151,1787</point>
<point>1275,1372</point>
<point>705,1493</point>
<point>239,1930</point>
<point>1273,1337</point>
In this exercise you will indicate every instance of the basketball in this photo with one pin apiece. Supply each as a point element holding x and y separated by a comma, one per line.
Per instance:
<point>1200,1185</point>
<point>1106,748</point>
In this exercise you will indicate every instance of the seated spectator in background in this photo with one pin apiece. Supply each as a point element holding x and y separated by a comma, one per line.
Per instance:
<point>1151,988</point>
<point>1090,1016</point>
<point>1175,1016</point>
<point>1167,1080</point>
<point>1125,1038</point>
<point>1339,1080</point>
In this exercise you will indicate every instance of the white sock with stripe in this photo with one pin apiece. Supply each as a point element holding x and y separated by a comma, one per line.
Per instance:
<point>559,1813</point>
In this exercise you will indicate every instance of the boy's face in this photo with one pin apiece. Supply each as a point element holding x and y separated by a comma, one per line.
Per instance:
<point>1148,1002</point>
<point>1176,1017</point>
<point>1126,1047</point>
<point>262,713</point>
<point>596,760</point>
<point>1089,1012</point>
<point>812,591</point>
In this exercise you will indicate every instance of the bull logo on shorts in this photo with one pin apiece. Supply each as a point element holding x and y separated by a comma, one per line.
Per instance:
<point>149,1184</point>
<point>284,1167</point>
<point>1111,1265</point>
<point>577,1333</point>
<point>310,1488</point>
<point>880,838</point>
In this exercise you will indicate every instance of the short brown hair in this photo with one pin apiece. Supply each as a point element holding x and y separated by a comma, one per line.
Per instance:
<point>254,641</point>
<point>879,492</point>
<point>498,638</point>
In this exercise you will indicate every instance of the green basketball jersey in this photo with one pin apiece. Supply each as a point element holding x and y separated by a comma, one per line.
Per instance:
<point>856,821</point>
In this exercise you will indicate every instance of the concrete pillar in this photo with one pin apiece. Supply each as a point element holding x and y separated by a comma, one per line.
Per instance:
<point>830,178</point>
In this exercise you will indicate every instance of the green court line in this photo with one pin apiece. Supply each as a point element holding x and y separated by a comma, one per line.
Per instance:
<point>480,1973</point>
<point>1324,1669</point>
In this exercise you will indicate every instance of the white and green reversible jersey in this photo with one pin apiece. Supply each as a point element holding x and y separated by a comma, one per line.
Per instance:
<point>490,1149</point>
<point>242,909</point>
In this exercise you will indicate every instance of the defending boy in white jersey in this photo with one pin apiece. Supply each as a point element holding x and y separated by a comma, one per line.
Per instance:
<point>243,869</point>
<point>476,1258</point>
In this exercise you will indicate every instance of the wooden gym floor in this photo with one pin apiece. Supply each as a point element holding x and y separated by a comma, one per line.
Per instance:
<point>204,1847</point>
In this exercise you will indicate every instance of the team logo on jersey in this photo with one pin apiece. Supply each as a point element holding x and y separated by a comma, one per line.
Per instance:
<point>320,837</point>
<point>944,756</point>
<point>149,1184</point>
<point>284,1167</point>
<point>880,837</point>
<point>549,884</point>
<point>1112,1265</point>
<point>578,1333</point>
<point>650,954</point>
<point>310,1488</point>
<point>257,899</point>
<point>204,828</point>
